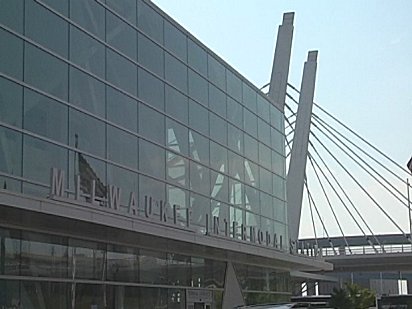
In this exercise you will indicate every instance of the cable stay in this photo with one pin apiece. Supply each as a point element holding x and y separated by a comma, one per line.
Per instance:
<point>329,203</point>
<point>319,216</point>
<point>364,162</point>
<point>313,219</point>
<point>350,201</point>
<point>359,148</point>
<point>341,200</point>
<point>363,189</point>
<point>354,133</point>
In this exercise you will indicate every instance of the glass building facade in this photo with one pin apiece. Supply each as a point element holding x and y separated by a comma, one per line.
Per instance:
<point>119,93</point>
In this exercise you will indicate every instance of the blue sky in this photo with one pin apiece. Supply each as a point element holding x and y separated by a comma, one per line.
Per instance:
<point>364,64</point>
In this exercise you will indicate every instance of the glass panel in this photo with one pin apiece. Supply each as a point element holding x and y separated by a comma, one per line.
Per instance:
<point>121,72</point>
<point>175,41</point>
<point>11,54</point>
<point>121,147</point>
<point>198,117</point>
<point>39,157</point>
<point>11,14</point>
<point>216,72</point>
<point>151,56</point>
<point>9,252</point>
<point>218,157</point>
<point>217,101</point>
<point>263,108</point>
<point>220,212</point>
<point>45,117</point>
<point>279,210</point>
<point>89,15</point>
<point>180,198</point>
<point>264,156</point>
<point>151,159</point>
<point>179,269</point>
<point>250,123</point>
<point>151,124</point>
<point>252,220</point>
<point>150,21</point>
<point>43,255</point>
<point>121,36</point>
<point>89,296</point>
<point>276,118</point>
<point>176,72</point>
<point>87,52</point>
<point>177,169</point>
<point>251,173</point>
<point>278,187</point>
<point>266,208</point>
<point>45,72</point>
<point>218,129</point>
<point>153,267</point>
<point>86,260</point>
<point>127,181</point>
<point>122,264</point>
<point>198,88</point>
<point>87,133</point>
<point>151,90</point>
<point>87,92</point>
<point>251,148</point>
<point>277,141</point>
<point>236,192</point>
<point>177,104</point>
<point>219,186</point>
<point>197,58</point>
<point>38,21</point>
<point>45,294</point>
<point>265,180</point>
<point>154,189</point>
<point>233,86</point>
<point>199,178</point>
<point>236,166</point>
<point>198,147</point>
<point>252,199</point>
<point>126,8</point>
<point>11,102</point>
<point>235,112</point>
<point>177,137</point>
<point>121,109</point>
<point>236,221</point>
<point>249,97</point>
<point>235,139</point>
<point>200,207</point>
<point>278,164</point>
<point>264,132</point>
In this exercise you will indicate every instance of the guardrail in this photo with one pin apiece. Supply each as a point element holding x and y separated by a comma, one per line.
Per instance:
<point>357,250</point>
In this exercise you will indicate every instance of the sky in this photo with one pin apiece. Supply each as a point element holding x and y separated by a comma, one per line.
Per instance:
<point>364,74</point>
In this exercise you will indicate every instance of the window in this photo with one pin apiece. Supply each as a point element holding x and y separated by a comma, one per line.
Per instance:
<point>264,156</point>
<point>176,72</point>
<point>87,52</point>
<point>218,129</point>
<point>11,14</point>
<point>45,116</point>
<point>89,15</point>
<point>10,152</point>
<point>250,123</point>
<point>233,86</point>
<point>263,108</point>
<point>175,41</point>
<point>150,21</point>
<point>121,72</point>
<point>39,21</point>
<point>11,102</point>
<point>265,180</point>
<point>126,8</point>
<point>249,97</point>
<point>264,132</point>
<point>121,147</point>
<point>216,72</point>
<point>121,109</point>
<point>234,112</point>
<point>87,92</point>
<point>151,90</point>
<point>235,139</point>
<point>11,55</point>
<point>198,117</point>
<point>251,148</point>
<point>127,181</point>
<point>151,56</point>
<point>177,104</point>
<point>199,178</point>
<point>198,147</point>
<point>200,207</point>
<point>177,137</point>
<point>46,72</point>
<point>151,159</point>
<point>151,124</point>
<point>218,157</point>
<point>217,101</point>
<point>197,58</point>
<point>198,88</point>
<point>177,169</point>
<point>121,36</point>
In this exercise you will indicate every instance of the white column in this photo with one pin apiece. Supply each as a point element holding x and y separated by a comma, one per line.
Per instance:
<point>281,60</point>
<point>297,165</point>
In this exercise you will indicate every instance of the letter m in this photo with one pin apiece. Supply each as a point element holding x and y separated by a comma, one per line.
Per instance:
<point>56,182</point>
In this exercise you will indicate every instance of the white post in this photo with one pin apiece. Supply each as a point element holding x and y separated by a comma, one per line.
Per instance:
<point>409,208</point>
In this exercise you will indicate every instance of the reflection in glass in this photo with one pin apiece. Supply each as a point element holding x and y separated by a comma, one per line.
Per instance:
<point>177,169</point>
<point>153,267</point>
<point>121,72</point>
<point>11,54</point>
<point>218,129</point>
<point>121,36</point>
<point>86,260</point>
<point>10,153</point>
<point>151,159</point>
<point>11,101</point>
<point>199,178</point>
<point>122,264</point>
<point>89,15</point>
<point>177,137</point>
<point>151,124</point>
<point>200,207</point>
<point>218,158</point>
<point>9,252</point>
<point>45,295</point>
<point>198,147</point>
<point>126,180</point>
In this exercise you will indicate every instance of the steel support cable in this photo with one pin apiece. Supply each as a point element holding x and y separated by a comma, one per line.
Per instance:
<point>292,98</point>
<point>363,189</point>
<point>365,163</point>
<point>325,124</point>
<point>319,216</point>
<point>341,200</point>
<point>354,133</point>
<point>313,219</point>
<point>329,203</point>
<point>347,197</point>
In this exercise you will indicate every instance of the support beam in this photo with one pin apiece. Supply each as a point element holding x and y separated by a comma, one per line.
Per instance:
<point>297,165</point>
<point>281,61</point>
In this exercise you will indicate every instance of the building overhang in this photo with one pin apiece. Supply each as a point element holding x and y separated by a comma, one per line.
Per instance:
<point>90,222</point>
